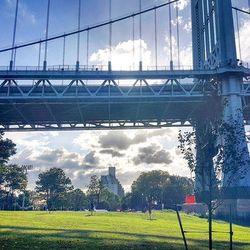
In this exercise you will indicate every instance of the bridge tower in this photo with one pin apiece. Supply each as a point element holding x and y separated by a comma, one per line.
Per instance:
<point>214,48</point>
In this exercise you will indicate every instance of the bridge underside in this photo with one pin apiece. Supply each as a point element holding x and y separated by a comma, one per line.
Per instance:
<point>49,105</point>
<point>95,114</point>
<point>73,114</point>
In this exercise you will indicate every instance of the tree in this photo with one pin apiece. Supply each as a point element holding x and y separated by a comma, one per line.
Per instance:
<point>76,200</point>
<point>149,186</point>
<point>14,179</point>
<point>94,189</point>
<point>53,183</point>
<point>126,201</point>
<point>176,190</point>
<point>109,200</point>
<point>7,149</point>
<point>215,155</point>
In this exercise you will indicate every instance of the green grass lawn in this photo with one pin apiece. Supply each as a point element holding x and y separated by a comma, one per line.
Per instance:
<point>77,230</point>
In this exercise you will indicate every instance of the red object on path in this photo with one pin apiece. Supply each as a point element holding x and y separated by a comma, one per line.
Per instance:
<point>190,199</point>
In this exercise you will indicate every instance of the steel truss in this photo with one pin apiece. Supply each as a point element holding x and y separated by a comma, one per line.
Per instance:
<point>106,104</point>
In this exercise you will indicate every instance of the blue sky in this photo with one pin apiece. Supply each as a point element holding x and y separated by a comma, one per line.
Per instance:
<point>84,153</point>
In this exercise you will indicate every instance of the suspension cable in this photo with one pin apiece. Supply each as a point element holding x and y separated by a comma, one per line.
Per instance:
<point>238,33</point>
<point>243,11</point>
<point>156,43</point>
<point>64,46</point>
<point>39,55</point>
<point>178,36</point>
<point>14,31</point>
<point>47,32</point>
<point>170,37</point>
<point>14,61</point>
<point>110,30</point>
<point>87,28</point>
<point>78,34</point>
<point>140,30</point>
<point>63,57</point>
<point>87,54</point>
<point>133,34</point>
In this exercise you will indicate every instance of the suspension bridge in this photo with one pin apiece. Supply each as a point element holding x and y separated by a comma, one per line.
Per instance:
<point>71,97</point>
<point>91,96</point>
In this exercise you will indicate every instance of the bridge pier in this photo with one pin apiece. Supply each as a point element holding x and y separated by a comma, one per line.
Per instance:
<point>214,48</point>
<point>237,188</point>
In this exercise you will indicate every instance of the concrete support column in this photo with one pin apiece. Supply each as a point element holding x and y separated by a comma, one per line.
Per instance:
<point>239,187</point>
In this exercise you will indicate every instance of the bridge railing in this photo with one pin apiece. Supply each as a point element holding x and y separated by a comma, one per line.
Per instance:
<point>92,68</point>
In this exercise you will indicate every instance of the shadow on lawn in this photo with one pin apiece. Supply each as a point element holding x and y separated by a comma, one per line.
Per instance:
<point>13,237</point>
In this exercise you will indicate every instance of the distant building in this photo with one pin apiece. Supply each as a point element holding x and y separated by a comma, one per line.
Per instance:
<point>111,183</point>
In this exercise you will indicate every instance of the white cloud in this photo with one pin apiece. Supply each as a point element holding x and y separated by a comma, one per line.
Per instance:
<point>23,11</point>
<point>188,26</point>
<point>180,21</point>
<point>245,41</point>
<point>185,53</point>
<point>122,55</point>
<point>182,4</point>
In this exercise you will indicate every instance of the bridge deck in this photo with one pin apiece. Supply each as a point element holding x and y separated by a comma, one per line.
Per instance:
<point>97,73</point>
<point>46,105</point>
<point>96,108</point>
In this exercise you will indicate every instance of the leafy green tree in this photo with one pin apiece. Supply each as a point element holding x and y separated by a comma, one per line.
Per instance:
<point>149,186</point>
<point>174,192</point>
<point>14,179</point>
<point>126,201</point>
<point>53,183</point>
<point>109,200</point>
<point>94,189</point>
<point>76,200</point>
<point>2,174</point>
<point>7,149</point>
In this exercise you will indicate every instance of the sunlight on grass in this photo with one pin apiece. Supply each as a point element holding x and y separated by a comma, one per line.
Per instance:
<point>76,230</point>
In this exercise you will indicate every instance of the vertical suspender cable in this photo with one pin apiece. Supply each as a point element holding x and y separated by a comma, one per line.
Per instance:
<point>110,34</point>
<point>63,59</point>
<point>64,45</point>
<point>87,54</point>
<point>14,35</point>
<point>156,45</point>
<point>78,35</point>
<point>133,19</point>
<point>140,31</point>
<point>46,42</point>
<point>178,35</point>
<point>170,37</point>
<point>39,55</point>
<point>238,33</point>
<point>14,61</point>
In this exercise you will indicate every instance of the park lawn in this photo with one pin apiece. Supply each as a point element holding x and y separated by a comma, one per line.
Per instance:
<point>106,231</point>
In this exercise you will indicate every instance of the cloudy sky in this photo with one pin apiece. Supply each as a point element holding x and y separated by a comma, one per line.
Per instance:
<point>82,154</point>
